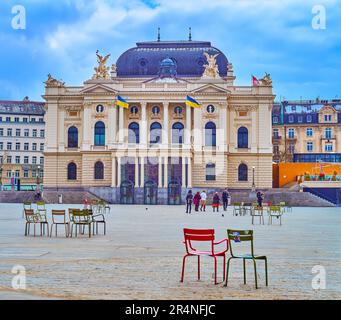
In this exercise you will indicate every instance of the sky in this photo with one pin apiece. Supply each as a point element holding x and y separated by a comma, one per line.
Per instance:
<point>257,36</point>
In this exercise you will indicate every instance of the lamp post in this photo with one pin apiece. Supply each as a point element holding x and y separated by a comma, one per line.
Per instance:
<point>38,180</point>
<point>253,179</point>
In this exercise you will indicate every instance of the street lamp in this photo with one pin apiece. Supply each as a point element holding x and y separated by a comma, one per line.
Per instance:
<point>38,180</point>
<point>253,179</point>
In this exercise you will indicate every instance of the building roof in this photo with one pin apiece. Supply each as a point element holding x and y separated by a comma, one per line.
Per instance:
<point>144,59</point>
<point>22,107</point>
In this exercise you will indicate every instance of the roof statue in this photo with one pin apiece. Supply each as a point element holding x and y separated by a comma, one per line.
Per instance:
<point>211,69</point>
<point>52,82</point>
<point>266,80</point>
<point>101,72</point>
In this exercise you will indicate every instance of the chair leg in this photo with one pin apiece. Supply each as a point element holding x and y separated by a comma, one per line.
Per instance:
<point>266,271</point>
<point>227,271</point>
<point>66,232</point>
<point>34,229</point>
<point>244,271</point>
<point>105,227</point>
<point>26,229</point>
<point>224,270</point>
<point>198,267</point>
<point>183,269</point>
<point>255,268</point>
<point>89,225</point>
<point>215,270</point>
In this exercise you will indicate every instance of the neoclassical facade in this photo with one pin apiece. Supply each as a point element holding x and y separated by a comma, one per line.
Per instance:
<point>158,148</point>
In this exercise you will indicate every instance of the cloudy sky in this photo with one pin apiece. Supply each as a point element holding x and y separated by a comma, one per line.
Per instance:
<point>257,36</point>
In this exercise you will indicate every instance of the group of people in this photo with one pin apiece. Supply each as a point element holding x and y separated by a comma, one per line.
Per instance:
<point>200,198</point>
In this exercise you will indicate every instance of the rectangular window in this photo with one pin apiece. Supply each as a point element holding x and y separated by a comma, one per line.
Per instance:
<point>275,132</point>
<point>26,159</point>
<point>17,146</point>
<point>8,119</point>
<point>25,173</point>
<point>33,119</point>
<point>1,146</point>
<point>210,172</point>
<point>34,146</point>
<point>17,173</point>
<point>9,173</point>
<point>9,159</point>
<point>17,132</point>
<point>309,118</point>
<point>291,149</point>
<point>9,132</point>
<point>0,119</point>
<point>327,117</point>
<point>41,160</point>
<point>9,145</point>
<point>309,132</point>
<point>16,119</point>
<point>34,173</point>
<point>26,146</point>
<point>276,149</point>
<point>291,133</point>
<point>24,119</point>
<point>42,133</point>
<point>275,119</point>
<point>27,133</point>
<point>1,160</point>
<point>309,146</point>
<point>17,159</point>
<point>41,147</point>
<point>291,118</point>
<point>1,132</point>
<point>34,133</point>
<point>34,160</point>
<point>41,119</point>
<point>328,147</point>
<point>300,119</point>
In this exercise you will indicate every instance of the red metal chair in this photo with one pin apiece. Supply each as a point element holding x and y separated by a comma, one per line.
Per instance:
<point>205,235</point>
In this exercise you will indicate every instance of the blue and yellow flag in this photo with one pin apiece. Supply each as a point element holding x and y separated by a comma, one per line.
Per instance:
<point>122,102</point>
<point>192,102</point>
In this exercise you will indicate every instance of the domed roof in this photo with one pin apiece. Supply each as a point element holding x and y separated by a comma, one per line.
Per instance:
<point>146,58</point>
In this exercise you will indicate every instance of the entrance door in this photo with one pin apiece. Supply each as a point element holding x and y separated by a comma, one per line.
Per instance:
<point>174,193</point>
<point>127,192</point>
<point>150,192</point>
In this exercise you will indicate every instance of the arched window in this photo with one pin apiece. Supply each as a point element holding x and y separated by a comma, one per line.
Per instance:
<point>99,134</point>
<point>134,133</point>
<point>178,133</point>
<point>210,134</point>
<point>155,132</point>
<point>210,172</point>
<point>243,138</point>
<point>72,137</point>
<point>242,172</point>
<point>99,170</point>
<point>72,171</point>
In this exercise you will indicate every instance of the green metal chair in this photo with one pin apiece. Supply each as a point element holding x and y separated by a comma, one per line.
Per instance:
<point>258,212</point>
<point>239,236</point>
<point>275,212</point>
<point>80,218</point>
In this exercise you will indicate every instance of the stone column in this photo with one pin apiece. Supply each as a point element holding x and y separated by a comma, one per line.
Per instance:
<point>121,125</point>
<point>142,172</point>
<point>183,163</point>
<point>118,172</point>
<point>165,183</point>
<point>136,172</point>
<point>160,172</point>
<point>165,131</point>
<point>188,131</point>
<point>87,128</point>
<point>198,132</point>
<point>113,172</point>
<point>61,130</point>
<point>144,130</point>
<point>112,124</point>
<point>189,169</point>
<point>253,131</point>
<point>222,128</point>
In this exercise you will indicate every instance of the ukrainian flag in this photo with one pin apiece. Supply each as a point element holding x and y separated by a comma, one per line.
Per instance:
<point>192,102</point>
<point>122,102</point>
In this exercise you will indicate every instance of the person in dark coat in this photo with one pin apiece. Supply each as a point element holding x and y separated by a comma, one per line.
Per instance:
<point>196,201</point>
<point>260,198</point>
<point>225,196</point>
<point>189,200</point>
<point>216,202</point>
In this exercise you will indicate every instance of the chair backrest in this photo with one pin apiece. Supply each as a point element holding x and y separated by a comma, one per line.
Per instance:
<point>58,213</point>
<point>239,236</point>
<point>27,205</point>
<point>276,209</point>
<point>30,216</point>
<point>79,216</point>
<point>201,235</point>
<point>40,204</point>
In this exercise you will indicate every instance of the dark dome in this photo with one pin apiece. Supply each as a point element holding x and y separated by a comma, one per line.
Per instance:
<point>188,57</point>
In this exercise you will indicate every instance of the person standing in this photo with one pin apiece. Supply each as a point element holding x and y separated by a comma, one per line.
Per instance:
<point>196,201</point>
<point>189,199</point>
<point>225,197</point>
<point>216,202</point>
<point>260,198</point>
<point>203,196</point>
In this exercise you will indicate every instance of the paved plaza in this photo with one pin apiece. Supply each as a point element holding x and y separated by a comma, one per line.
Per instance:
<point>141,256</point>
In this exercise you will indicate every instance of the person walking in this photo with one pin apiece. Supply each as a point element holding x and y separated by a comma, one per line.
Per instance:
<point>189,199</point>
<point>196,201</point>
<point>225,197</point>
<point>203,196</point>
<point>216,202</point>
<point>260,198</point>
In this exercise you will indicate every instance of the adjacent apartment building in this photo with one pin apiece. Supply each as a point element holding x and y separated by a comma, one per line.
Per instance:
<point>22,136</point>
<point>307,131</point>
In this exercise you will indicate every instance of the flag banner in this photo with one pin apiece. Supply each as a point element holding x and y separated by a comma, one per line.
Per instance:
<point>121,102</point>
<point>255,81</point>
<point>192,102</point>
